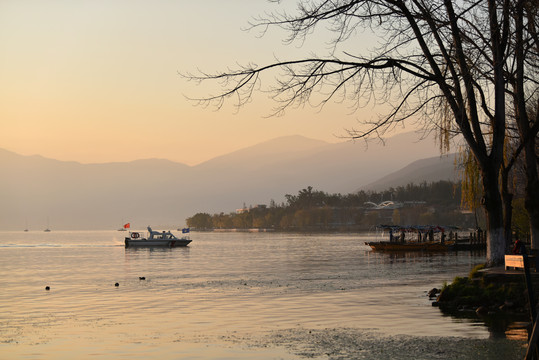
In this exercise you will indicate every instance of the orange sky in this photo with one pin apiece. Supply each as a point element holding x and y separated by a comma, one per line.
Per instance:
<point>97,81</point>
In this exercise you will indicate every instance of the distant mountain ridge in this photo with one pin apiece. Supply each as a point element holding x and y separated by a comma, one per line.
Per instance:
<point>164,193</point>
<point>429,170</point>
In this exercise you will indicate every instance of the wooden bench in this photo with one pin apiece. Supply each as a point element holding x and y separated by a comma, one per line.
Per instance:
<point>514,261</point>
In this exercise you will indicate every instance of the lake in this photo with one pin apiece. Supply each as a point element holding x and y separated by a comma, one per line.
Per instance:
<point>232,296</point>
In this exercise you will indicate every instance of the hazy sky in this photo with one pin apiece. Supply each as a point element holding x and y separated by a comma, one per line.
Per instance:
<point>97,81</point>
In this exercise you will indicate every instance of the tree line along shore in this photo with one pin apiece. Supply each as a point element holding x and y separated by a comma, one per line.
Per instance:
<point>310,210</point>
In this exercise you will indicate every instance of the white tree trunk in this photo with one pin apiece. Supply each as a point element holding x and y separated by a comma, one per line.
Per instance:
<point>495,246</point>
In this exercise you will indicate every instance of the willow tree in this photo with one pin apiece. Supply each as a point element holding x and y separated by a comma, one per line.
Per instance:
<point>438,61</point>
<point>470,180</point>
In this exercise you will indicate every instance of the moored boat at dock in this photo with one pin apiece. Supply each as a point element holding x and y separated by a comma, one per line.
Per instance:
<point>427,238</point>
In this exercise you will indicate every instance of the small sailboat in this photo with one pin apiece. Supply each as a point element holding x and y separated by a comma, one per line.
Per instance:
<point>125,227</point>
<point>48,229</point>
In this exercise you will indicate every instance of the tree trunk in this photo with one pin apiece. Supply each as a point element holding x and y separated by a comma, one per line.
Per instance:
<point>532,192</point>
<point>492,203</point>
<point>527,133</point>
<point>507,198</point>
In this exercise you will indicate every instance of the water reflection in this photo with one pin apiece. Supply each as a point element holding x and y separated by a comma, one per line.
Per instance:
<point>135,252</point>
<point>514,326</point>
<point>422,256</point>
<point>517,331</point>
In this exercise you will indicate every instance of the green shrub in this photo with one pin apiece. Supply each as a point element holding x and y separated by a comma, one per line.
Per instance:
<point>465,291</point>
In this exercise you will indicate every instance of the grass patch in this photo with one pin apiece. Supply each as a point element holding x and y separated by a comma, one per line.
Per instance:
<point>473,291</point>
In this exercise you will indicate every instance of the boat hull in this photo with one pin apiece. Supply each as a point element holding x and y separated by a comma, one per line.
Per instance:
<point>170,243</point>
<point>408,246</point>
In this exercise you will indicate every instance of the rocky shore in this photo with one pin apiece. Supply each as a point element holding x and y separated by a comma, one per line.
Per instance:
<point>499,300</point>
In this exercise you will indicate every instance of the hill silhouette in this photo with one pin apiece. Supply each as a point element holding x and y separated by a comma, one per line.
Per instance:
<point>164,193</point>
<point>428,170</point>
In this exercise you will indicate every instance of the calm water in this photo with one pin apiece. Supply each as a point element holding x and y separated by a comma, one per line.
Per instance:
<point>227,296</point>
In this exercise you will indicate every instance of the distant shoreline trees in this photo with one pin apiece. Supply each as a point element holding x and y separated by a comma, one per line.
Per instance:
<point>436,203</point>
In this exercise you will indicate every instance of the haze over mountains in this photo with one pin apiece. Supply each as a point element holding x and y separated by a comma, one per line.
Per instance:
<point>429,170</point>
<point>163,193</point>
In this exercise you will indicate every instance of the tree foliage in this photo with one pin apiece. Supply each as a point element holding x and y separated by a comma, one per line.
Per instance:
<point>449,64</point>
<point>313,210</point>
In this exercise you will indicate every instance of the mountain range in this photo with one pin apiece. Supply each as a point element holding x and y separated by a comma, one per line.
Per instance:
<point>35,190</point>
<point>425,170</point>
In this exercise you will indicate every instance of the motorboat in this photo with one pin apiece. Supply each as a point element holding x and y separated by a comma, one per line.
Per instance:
<point>157,239</point>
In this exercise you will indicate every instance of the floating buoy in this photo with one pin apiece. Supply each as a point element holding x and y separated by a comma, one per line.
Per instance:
<point>116,284</point>
<point>47,288</point>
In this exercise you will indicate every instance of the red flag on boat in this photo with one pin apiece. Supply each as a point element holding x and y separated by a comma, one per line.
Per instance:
<point>127,226</point>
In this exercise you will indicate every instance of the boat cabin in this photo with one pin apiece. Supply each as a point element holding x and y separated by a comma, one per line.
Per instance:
<point>157,235</point>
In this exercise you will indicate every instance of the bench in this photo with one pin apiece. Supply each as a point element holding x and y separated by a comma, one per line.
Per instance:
<point>514,261</point>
